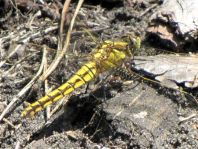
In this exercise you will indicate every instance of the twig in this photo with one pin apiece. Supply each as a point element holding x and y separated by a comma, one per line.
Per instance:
<point>63,16</point>
<point>147,10</point>
<point>9,123</point>
<point>60,39</point>
<point>46,81</point>
<point>31,20</point>
<point>61,55</point>
<point>96,130</point>
<point>182,119</point>
<point>24,90</point>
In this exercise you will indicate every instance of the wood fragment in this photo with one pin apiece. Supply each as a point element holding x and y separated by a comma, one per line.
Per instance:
<point>180,14</point>
<point>9,123</point>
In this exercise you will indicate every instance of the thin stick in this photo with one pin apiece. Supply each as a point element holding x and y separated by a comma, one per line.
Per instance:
<point>46,82</point>
<point>182,119</point>
<point>61,55</point>
<point>63,16</point>
<point>24,90</point>
<point>147,10</point>
<point>9,123</point>
<point>60,39</point>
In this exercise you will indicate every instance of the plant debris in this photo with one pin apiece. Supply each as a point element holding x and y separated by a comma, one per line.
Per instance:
<point>110,112</point>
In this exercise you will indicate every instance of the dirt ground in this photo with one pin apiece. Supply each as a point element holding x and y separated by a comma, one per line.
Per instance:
<point>121,114</point>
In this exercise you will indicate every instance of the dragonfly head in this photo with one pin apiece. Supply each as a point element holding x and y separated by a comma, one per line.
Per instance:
<point>134,42</point>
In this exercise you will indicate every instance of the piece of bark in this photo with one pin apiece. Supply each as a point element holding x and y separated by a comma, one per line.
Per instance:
<point>180,14</point>
<point>165,35</point>
<point>175,18</point>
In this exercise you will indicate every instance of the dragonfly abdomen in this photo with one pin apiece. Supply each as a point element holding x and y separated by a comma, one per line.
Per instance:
<point>87,73</point>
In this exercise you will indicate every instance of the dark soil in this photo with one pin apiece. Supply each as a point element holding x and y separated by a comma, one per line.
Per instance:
<point>102,115</point>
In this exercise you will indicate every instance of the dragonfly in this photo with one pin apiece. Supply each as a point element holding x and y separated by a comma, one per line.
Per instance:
<point>107,56</point>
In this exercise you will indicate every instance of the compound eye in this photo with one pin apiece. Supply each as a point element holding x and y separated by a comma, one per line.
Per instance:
<point>132,41</point>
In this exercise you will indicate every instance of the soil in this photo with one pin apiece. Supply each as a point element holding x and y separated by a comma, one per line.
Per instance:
<point>111,114</point>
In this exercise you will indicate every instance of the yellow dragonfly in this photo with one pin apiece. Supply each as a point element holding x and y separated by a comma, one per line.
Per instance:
<point>109,55</point>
